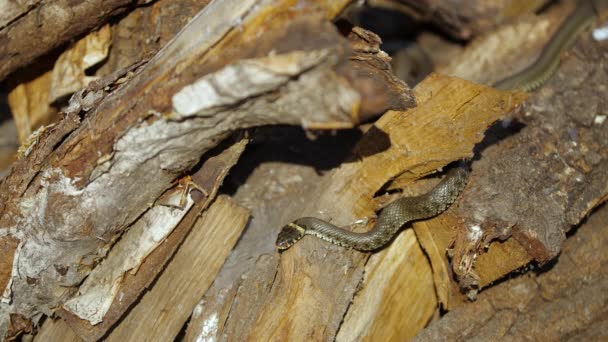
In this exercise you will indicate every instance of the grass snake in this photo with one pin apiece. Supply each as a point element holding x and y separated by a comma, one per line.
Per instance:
<point>408,209</point>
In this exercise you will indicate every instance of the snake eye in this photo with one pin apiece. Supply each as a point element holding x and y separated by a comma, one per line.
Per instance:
<point>288,236</point>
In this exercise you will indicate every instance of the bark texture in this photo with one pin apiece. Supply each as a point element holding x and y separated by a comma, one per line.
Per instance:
<point>566,300</point>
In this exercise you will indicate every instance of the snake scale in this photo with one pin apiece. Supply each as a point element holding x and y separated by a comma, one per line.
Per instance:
<point>408,209</point>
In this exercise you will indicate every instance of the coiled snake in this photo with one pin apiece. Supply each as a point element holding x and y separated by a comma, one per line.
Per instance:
<point>407,209</point>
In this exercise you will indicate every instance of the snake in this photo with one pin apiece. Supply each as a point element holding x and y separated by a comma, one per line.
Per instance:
<point>414,208</point>
<point>532,77</point>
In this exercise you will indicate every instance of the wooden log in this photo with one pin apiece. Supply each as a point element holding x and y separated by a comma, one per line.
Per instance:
<point>565,301</point>
<point>510,48</point>
<point>398,283</point>
<point>165,309</point>
<point>30,29</point>
<point>56,330</point>
<point>533,185</point>
<point>38,92</point>
<point>133,284</point>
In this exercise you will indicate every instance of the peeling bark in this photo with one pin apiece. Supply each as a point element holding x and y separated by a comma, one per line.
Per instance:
<point>537,183</point>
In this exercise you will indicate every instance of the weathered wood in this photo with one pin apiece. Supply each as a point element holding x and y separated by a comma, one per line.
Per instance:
<point>163,311</point>
<point>56,330</point>
<point>498,54</point>
<point>146,133</point>
<point>538,181</point>
<point>314,281</point>
<point>30,29</point>
<point>381,326</point>
<point>39,91</point>
<point>567,301</point>
<point>209,177</point>
<point>398,284</point>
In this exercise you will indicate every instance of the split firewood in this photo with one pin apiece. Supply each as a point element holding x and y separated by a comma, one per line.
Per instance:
<point>534,182</point>
<point>545,305</point>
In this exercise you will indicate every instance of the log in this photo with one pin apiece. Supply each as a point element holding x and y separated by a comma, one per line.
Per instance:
<point>30,29</point>
<point>165,309</point>
<point>533,183</point>
<point>114,287</point>
<point>153,127</point>
<point>40,91</point>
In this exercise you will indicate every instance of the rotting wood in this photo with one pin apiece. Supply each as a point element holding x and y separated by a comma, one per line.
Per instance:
<point>315,281</point>
<point>163,310</point>
<point>564,302</point>
<point>94,165</point>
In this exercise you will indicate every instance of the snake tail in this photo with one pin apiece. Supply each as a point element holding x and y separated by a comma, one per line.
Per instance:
<point>532,77</point>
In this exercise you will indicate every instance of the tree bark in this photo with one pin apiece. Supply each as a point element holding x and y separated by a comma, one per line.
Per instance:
<point>30,29</point>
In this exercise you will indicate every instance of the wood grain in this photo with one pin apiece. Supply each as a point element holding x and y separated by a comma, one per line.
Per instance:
<point>162,311</point>
<point>397,296</point>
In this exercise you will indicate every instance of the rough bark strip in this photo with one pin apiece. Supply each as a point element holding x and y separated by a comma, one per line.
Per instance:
<point>316,281</point>
<point>528,183</point>
<point>163,311</point>
<point>539,182</point>
<point>46,25</point>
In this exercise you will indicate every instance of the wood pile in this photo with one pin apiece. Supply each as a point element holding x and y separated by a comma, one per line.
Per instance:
<point>156,148</point>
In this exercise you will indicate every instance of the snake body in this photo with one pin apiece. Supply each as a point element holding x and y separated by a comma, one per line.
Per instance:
<point>430,204</point>
<point>389,222</point>
<point>545,66</point>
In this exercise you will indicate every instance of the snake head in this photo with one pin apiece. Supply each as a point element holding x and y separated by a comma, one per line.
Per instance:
<point>288,236</point>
